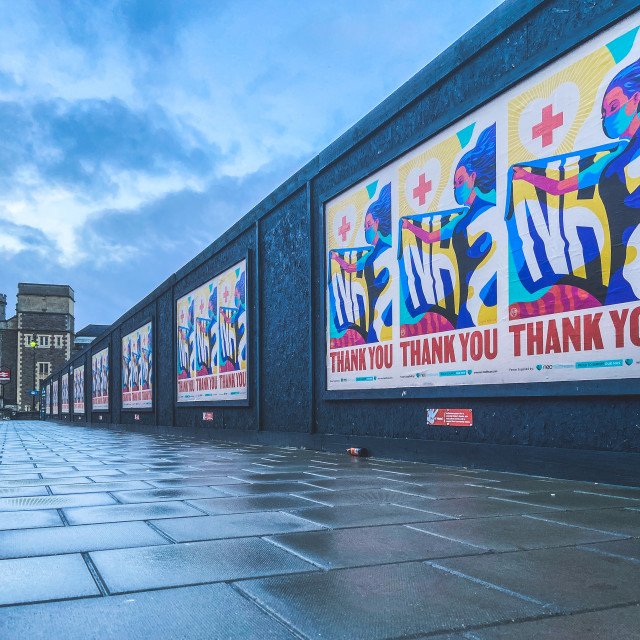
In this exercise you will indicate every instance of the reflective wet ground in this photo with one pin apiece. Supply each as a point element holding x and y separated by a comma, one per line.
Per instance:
<point>106,534</point>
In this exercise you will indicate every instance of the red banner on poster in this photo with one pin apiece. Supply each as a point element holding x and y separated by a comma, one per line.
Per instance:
<point>450,417</point>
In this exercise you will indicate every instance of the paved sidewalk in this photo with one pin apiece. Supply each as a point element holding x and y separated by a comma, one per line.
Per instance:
<point>106,534</point>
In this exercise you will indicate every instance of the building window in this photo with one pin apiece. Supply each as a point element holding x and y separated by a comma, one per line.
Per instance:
<point>58,342</point>
<point>43,340</point>
<point>27,340</point>
<point>43,369</point>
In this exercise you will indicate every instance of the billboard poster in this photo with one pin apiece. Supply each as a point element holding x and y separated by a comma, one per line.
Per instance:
<point>78,389</point>
<point>211,339</point>
<point>47,400</point>
<point>505,248</point>
<point>100,380</point>
<point>54,400</point>
<point>137,368</point>
<point>64,401</point>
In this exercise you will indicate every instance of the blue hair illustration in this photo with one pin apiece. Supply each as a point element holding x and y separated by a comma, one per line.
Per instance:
<point>213,301</point>
<point>628,79</point>
<point>380,210</point>
<point>482,160</point>
<point>240,286</point>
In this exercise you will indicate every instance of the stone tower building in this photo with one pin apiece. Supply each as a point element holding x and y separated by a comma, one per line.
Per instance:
<point>44,316</point>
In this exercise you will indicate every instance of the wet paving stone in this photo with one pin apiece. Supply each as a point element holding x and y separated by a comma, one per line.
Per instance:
<point>573,500</point>
<point>613,624</point>
<point>629,549</point>
<point>199,481</point>
<point>364,515</point>
<point>29,519</point>
<point>389,601</point>
<point>193,563</point>
<point>233,526</point>
<point>54,502</point>
<point>152,495</point>
<point>620,521</point>
<point>369,546</point>
<point>129,512</point>
<point>485,508</point>
<point>97,487</point>
<point>453,490</point>
<point>368,496</point>
<point>39,482</point>
<point>513,533</point>
<point>21,492</point>
<point>246,489</point>
<point>184,613</point>
<point>341,484</point>
<point>57,540</point>
<point>46,578</point>
<point>569,578</point>
<point>292,476</point>
<point>360,568</point>
<point>218,506</point>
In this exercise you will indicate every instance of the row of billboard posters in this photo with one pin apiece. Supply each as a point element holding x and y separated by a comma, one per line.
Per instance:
<point>64,381</point>
<point>137,368</point>
<point>506,248</point>
<point>100,380</point>
<point>78,390</point>
<point>212,353</point>
<point>100,397</point>
<point>211,327</point>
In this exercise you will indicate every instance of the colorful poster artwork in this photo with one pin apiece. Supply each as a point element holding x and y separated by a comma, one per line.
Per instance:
<point>78,390</point>
<point>64,401</point>
<point>47,400</point>
<point>211,339</point>
<point>100,380</point>
<point>54,399</point>
<point>137,368</point>
<point>505,249</point>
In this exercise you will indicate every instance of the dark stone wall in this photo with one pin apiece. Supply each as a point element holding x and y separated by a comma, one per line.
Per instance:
<point>285,359</point>
<point>566,429</point>
<point>9,359</point>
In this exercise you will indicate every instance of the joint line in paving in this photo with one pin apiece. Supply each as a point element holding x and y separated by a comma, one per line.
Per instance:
<point>100,583</point>
<point>439,535</point>
<point>546,605</point>
<point>160,532</point>
<point>65,522</point>
<point>193,506</point>
<point>576,526</point>
<point>606,495</point>
<point>265,609</point>
<point>608,553</point>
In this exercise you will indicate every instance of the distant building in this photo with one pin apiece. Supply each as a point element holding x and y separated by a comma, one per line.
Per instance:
<point>87,336</point>
<point>44,316</point>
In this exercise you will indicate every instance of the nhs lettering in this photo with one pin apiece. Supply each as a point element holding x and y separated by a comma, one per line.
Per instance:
<point>512,253</point>
<point>211,339</point>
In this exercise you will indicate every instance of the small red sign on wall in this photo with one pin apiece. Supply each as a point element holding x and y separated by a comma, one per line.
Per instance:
<point>450,417</point>
<point>136,416</point>
<point>207,416</point>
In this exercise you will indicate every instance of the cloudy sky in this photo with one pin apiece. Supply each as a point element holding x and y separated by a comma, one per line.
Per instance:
<point>134,132</point>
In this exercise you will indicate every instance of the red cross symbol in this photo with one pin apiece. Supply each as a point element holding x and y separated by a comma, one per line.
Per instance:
<point>346,226</point>
<point>422,189</point>
<point>225,295</point>
<point>545,128</point>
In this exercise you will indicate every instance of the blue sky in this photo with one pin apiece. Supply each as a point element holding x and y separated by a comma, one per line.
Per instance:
<point>135,132</point>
